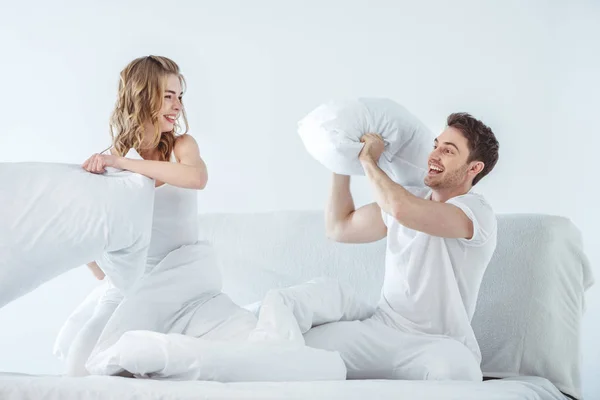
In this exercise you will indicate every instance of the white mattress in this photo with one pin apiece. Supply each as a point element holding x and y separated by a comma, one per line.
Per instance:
<point>18,386</point>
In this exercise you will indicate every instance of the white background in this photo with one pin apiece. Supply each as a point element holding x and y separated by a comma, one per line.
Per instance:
<point>529,69</point>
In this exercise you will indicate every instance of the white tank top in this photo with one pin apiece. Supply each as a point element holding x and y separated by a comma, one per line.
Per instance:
<point>174,222</point>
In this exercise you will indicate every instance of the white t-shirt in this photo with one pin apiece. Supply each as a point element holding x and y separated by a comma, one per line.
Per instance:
<point>432,283</point>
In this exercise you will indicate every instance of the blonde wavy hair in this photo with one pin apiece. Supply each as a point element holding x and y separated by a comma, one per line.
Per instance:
<point>140,98</point>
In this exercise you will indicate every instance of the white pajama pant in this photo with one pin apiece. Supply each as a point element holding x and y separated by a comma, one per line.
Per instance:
<point>372,350</point>
<point>217,319</point>
<point>330,317</point>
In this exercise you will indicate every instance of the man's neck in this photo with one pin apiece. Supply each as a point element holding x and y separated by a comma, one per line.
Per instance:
<point>443,195</point>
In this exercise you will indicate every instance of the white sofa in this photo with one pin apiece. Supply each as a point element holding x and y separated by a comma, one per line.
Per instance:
<point>527,320</point>
<point>530,306</point>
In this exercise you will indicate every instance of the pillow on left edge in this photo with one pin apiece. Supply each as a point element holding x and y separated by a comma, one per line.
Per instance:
<point>55,217</point>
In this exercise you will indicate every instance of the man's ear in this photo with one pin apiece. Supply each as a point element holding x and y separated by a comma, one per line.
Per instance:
<point>476,167</point>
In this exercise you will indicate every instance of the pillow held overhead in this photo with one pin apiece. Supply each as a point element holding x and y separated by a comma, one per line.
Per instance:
<point>331,134</point>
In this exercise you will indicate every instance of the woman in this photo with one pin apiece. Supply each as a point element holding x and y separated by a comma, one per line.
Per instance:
<point>145,119</point>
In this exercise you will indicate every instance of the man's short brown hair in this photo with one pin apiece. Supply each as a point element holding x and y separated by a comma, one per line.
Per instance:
<point>483,145</point>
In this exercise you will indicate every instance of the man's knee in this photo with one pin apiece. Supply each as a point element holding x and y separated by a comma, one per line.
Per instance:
<point>333,336</point>
<point>452,361</point>
<point>455,370</point>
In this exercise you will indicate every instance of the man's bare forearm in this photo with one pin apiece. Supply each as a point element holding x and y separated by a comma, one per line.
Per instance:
<point>431,217</point>
<point>390,196</point>
<point>340,203</point>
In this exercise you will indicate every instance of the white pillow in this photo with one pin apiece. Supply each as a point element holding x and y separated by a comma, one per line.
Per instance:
<point>331,134</point>
<point>532,300</point>
<point>181,357</point>
<point>56,217</point>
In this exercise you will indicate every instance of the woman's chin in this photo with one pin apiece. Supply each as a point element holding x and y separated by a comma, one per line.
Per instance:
<point>164,128</point>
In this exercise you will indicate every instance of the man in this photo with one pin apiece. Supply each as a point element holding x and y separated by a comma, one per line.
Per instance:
<point>440,239</point>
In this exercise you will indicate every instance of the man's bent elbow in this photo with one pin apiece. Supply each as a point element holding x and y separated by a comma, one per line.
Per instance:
<point>334,232</point>
<point>330,232</point>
